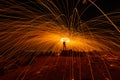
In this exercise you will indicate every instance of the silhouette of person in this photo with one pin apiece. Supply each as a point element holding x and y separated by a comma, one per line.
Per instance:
<point>64,45</point>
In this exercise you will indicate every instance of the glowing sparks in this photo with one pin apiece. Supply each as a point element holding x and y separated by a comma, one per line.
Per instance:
<point>41,26</point>
<point>45,32</point>
<point>65,39</point>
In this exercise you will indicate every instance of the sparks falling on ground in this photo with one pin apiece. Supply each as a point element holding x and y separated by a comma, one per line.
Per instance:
<point>51,25</point>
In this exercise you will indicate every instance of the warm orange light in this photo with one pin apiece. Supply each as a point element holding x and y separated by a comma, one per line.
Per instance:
<point>65,40</point>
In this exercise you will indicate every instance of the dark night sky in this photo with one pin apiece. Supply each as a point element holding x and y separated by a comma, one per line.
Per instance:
<point>106,5</point>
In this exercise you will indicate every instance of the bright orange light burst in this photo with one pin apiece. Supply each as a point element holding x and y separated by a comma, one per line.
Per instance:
<point>65,39</point>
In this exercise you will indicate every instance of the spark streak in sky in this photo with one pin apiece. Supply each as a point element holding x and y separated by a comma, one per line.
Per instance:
<point>39,25</point>
<point>32,28</point>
